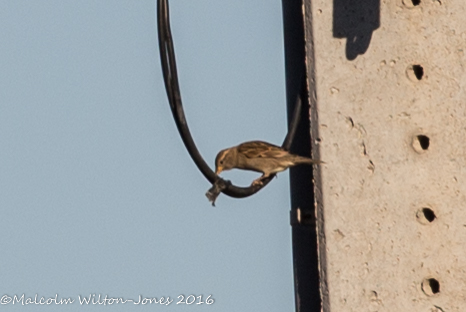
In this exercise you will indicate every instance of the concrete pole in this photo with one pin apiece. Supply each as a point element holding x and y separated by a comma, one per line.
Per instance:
<point>387,91</point>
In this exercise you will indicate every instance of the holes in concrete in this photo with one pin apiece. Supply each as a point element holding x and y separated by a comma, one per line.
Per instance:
<point>418,71</point>
<point>411,3</point>
<point>430,286</point>
<point>421,143</point>
<point>415,72</point>
<point>425,216</point>
<point>424,141</point>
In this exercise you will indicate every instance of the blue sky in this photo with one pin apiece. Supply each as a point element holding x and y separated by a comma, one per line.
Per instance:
<point>97,192</point>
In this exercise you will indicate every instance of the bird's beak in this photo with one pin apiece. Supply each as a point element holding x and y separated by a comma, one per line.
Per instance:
<point>219,169</point>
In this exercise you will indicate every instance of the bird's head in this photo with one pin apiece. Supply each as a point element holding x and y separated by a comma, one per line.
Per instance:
<point>224,160</point>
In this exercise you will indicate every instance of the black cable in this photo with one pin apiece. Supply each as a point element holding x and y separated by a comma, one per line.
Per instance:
<point>170,76</point>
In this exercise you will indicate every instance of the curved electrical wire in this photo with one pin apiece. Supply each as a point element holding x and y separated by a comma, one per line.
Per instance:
<point>170,75</point>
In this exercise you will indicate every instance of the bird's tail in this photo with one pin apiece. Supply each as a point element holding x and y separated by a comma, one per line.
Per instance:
<point>299,160</point>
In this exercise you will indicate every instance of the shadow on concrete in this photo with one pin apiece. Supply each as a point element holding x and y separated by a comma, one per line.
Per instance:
<point>355,20</point>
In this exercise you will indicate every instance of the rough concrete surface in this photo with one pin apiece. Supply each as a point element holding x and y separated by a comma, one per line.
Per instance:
<point>388,116</point>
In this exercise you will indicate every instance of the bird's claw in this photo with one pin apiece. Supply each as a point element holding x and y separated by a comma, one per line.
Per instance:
<point>257,182</point>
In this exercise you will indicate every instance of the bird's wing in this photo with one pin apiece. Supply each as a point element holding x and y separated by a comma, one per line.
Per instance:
<point>259,149</point>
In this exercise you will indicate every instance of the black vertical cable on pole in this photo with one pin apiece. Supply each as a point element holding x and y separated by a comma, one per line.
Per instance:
<point>304,236</point>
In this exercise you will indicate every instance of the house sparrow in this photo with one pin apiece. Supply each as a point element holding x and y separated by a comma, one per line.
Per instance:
<point>260,157</point>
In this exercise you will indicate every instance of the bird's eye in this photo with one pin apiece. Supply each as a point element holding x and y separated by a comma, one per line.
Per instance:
<point>221,162</point>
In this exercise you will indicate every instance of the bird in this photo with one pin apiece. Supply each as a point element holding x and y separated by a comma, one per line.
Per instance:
<point>259,156</point>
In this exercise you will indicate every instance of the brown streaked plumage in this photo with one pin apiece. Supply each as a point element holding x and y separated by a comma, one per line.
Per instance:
<point>260,157</point>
